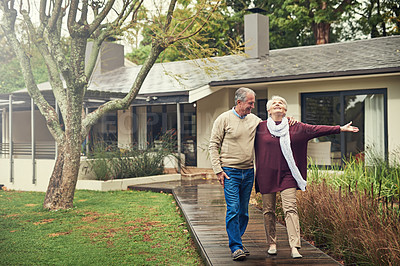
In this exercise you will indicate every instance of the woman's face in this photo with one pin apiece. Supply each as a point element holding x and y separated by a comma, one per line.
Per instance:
<point>277,107</point>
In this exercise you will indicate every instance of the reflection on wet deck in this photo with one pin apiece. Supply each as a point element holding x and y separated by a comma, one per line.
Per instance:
<point>203,205</point>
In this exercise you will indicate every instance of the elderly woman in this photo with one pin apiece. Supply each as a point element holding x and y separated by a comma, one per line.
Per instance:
<point>281,165</point>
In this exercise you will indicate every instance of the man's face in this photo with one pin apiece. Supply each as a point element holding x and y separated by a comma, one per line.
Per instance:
<point>245,107</point>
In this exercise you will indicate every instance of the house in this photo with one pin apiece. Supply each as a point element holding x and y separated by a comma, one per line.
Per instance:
<point>329,84</point>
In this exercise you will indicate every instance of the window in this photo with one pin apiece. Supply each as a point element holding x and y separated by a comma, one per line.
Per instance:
<point>189,132</point>
<point>261,109</point>
<point>368,111</point>
<point>155,115</point>
<point>106,129</point>
<point>160,119</point>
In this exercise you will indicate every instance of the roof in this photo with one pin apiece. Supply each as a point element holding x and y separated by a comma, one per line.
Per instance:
<point>362,57</point>
<point>372,56</point>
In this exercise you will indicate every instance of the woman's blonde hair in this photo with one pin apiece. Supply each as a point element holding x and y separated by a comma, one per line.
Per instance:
<point>275,97</point>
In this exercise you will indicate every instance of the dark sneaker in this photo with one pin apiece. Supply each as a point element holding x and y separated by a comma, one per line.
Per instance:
<point>238,255</point>
<point>246,251</point>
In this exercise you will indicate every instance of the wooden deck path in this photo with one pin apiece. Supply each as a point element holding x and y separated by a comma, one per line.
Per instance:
<point>203,205</point>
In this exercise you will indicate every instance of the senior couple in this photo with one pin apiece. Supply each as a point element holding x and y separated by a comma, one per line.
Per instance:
<point>280,147</point>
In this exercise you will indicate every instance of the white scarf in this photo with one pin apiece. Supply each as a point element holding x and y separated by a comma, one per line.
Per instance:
<point>282,131</point>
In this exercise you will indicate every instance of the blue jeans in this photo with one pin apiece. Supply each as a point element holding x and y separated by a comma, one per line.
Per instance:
<point>237,191</point>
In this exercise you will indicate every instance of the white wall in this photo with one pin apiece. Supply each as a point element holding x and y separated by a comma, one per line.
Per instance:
<point>211,106</point>
<point>292,93</point>
<point>208,109</point>
<point>23,177</point>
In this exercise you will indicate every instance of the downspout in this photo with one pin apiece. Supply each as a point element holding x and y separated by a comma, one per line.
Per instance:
<point>87,136</point>
<point>10,124</point>
<point>33,142</point>
<point>178,122</point>
<point>58,116</point>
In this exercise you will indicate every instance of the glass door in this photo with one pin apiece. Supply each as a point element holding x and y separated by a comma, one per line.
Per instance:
<point>365,108</point>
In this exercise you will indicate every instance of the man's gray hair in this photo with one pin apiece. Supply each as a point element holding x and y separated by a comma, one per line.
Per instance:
<point>279,98</point>
<point>241,94</point>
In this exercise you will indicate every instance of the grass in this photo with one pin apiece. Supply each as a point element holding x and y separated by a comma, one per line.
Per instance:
<point>103,228</point>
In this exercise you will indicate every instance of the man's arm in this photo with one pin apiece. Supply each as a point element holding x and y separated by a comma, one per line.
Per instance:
<point>216,139</point>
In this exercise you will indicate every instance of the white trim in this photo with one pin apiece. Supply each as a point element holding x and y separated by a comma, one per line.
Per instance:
<point>202,92</point>
<point>253,85</point>
<point>122,184</point>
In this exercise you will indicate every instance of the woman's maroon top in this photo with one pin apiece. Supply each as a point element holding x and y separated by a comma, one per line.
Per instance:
<point>272,171</point>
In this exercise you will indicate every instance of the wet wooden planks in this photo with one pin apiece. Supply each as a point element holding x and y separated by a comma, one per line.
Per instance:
<point>203,205</point>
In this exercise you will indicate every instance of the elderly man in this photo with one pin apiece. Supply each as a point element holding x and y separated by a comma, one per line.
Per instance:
<point>231,151</point>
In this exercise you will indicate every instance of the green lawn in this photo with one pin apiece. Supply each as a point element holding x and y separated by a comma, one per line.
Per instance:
<point>104,228</point>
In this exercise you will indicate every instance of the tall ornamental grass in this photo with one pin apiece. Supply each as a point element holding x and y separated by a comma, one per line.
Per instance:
<point>354,213</point>
<point>351,226</point>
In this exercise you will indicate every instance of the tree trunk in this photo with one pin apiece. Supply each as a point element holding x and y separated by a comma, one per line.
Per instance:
<point>61,189</point>
<point>321,32</point>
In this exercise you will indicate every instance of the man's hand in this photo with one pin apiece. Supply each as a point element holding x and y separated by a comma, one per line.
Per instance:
<point>221,177</point>
<point>292,121</point>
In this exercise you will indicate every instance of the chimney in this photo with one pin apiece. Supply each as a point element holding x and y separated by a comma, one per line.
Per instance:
<point>256,33</point>
<point>111,56</point>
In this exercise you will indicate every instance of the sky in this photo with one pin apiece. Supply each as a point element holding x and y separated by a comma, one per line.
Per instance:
<point>153,6</point>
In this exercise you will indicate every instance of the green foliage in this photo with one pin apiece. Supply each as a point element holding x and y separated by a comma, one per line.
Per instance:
<point>138,56</point>
<point>219,36</point>
<point>110,162</point>
<point>376,176</point>
<point>11,78</point>
<point>378,18</point>
<point>104,228</point>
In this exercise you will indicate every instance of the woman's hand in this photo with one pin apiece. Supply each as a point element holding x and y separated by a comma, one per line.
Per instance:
<point>349,128</point>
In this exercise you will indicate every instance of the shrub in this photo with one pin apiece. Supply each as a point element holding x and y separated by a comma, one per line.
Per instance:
<point>111,162</point>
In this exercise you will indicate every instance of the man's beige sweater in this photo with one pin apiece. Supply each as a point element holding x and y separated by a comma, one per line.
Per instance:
<point>232,141</point>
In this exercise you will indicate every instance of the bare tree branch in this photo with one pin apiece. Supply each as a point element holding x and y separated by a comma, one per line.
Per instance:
<point>72,17</point>
<point>180,37</point>
<point>56,13</point>
<point>124,103</point>
<point>48,111</point>
<point>84,12</point>
<point>100,17</point>
<point>170,14</point>
<point>42,11</point>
